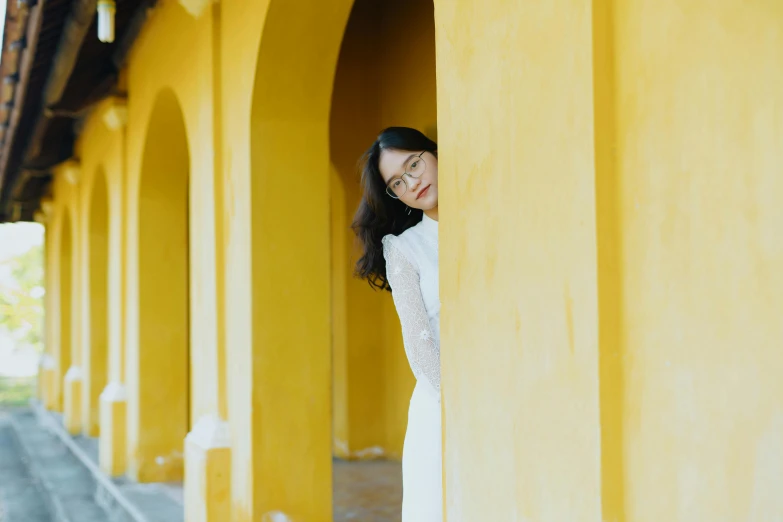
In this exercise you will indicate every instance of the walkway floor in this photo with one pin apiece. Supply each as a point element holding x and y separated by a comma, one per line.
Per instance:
<point>42,480</point>
<point>148,502</point>
<point>20,496</point>
<point>66,489</point>
<point>367,491</point>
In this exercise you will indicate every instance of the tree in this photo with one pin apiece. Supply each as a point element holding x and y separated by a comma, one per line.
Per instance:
<point>21,298</point>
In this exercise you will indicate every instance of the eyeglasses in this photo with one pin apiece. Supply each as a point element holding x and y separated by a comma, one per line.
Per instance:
<point>414,168</point>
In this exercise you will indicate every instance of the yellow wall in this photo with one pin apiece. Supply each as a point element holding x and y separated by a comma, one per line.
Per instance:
<point>699,150</point>
<point>657,157</point>
<point>518,261</point>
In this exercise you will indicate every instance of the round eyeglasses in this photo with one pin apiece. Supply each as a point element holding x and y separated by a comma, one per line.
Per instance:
<point>414,168</point>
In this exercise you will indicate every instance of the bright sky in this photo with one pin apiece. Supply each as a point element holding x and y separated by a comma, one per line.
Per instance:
<point>17,238</point>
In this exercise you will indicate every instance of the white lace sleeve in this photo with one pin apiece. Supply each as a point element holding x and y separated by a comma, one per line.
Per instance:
<point>422,349</point>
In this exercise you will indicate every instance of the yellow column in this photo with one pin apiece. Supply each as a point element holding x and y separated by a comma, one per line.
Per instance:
<point>48,363</point>
<point>518,261</point>
<point>113,399</point>
<point>208,471</point>
<point>112,449</point>
<point>74,377</point>
<point>290,260</point>
<point>72,413</point>
<point>207,445</point>
<point>61,298</point>
<point>93,290</point>
<point>277,259</point>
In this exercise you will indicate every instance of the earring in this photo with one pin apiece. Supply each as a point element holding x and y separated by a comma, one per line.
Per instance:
<point>409,209</point>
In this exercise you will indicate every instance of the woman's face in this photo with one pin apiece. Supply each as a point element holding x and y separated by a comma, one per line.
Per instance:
<point>422,191</point>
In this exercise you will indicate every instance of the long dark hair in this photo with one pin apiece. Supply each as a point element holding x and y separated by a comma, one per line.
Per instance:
<point>378,214</point>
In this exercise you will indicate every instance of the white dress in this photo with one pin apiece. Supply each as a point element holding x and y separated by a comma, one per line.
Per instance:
<point>412,271</point>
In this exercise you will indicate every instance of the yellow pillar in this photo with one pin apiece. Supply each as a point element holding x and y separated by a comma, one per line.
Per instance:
<point>70,172</point>
<point>74,389</point>
<point>208,471</point>
<point>94,275</point>
<point>47,381</point>
<point>112,449</point>
<point>62,288</point>
<point>278,327</point>
<point>113,407</point>
<point>207,445</point>
<point>48,363</point>
<point>518,261</point>
<point>291,331</point>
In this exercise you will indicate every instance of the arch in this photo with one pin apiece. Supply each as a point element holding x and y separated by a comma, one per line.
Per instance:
<point>291,258</point>
<point>290,438</point>
<point>372,90</point>
<point>96,327</point>
<point>161,408</point>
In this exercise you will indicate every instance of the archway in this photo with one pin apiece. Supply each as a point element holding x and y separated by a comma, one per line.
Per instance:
<point>164,306</point>
<point>290,430</point>
<point>65,304</point>
<point>382,80</point>
<point>291,252</point>
<point>97,293</point>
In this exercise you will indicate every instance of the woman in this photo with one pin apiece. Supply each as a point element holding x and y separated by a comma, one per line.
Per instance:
<point>397,226</point>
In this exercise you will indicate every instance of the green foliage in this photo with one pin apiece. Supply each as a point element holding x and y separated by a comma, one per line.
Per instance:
<point>16,391</point>
<point>21,298</point>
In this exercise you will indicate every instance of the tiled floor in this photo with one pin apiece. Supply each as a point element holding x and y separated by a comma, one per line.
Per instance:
<point>67,487</point>
<point>367,491</point>
<point>20,496</point>
<point>157,502</point>
<point>364,491</point>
